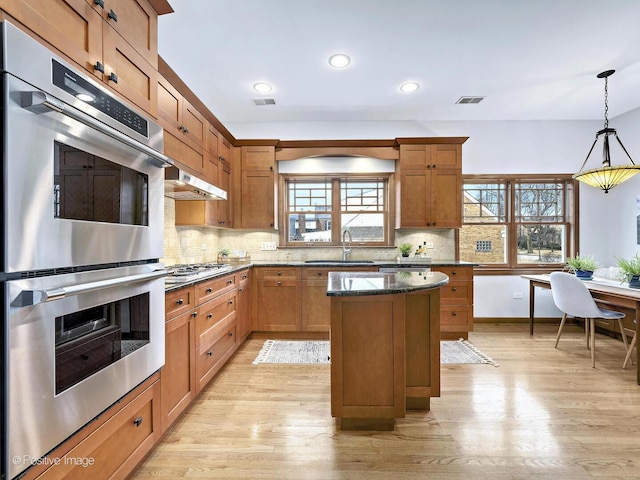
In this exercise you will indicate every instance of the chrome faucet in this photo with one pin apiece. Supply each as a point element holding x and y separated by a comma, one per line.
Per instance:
<point>346,250</point>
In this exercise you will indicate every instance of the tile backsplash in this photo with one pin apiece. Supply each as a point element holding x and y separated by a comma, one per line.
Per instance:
<point>201,244</point>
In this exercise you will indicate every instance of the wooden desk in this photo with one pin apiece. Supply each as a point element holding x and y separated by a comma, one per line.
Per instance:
<point>602,290</point>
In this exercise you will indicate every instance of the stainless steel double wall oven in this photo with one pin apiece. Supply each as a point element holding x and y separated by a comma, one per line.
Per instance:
<point>82,235</point>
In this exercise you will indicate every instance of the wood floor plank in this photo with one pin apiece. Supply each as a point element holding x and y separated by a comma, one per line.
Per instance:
<point>543,414</point>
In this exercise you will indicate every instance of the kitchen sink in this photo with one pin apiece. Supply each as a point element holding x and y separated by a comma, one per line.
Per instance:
<point>338,261</point>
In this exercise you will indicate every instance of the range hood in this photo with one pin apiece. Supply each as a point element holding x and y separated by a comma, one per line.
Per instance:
<point>181,185</point>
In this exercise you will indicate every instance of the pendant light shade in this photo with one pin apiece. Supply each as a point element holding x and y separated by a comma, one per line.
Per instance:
<point>606,177</point>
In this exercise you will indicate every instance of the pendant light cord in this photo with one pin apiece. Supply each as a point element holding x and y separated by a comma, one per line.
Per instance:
<point>606,102</point>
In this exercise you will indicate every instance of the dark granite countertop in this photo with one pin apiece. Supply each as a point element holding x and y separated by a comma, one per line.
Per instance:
<point>235,267</point>
<point>349,284</point>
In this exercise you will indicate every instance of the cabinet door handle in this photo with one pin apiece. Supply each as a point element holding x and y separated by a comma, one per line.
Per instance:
<point>210,315</point>
<point>99,3</point>
<point>230,334</point>
<point>210,353</point>
<point>241,289</point>
<point>433,166</point>
<point>319,274</point>
<point>230,302</point>
<point>194,314</point>
<point>279,283</point>
<point>229,282</point>
<point>453,273</point>
<point>454,314</point>
<point>138,421</point>
<point>221,222</point>
<point>99,67</point>
<point>113,77</point>
<point>180,302</point>
<point>209,290</point>
<point>113,15</point>
<point>454,289</point>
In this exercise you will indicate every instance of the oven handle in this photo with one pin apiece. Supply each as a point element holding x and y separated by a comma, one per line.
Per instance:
<point>34,297</point>
<point>39,102</point>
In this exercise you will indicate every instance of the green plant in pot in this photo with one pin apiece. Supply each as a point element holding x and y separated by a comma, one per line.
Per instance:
<point>630,270</point>
<point>582,265</point>
<point>405,249</point>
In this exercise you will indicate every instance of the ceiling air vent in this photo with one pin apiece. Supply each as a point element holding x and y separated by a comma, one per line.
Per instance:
<point>264,101</point>
<point>470,99</point>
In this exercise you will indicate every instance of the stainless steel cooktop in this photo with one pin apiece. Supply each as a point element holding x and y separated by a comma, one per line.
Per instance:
<point>195,271</point>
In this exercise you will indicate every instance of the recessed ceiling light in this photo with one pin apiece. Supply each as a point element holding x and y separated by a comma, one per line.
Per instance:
<point>409,87</point>
<point>339,60</point>
<point>262,87</point>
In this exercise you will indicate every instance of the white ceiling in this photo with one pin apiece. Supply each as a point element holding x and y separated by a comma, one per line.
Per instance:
<point>531,59</point>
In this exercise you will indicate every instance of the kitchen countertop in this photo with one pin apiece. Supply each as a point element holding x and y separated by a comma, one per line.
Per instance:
<point>235,267</point>
<point>350,284</point>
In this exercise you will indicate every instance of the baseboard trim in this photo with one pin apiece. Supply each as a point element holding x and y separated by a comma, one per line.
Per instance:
<point>553,320</point>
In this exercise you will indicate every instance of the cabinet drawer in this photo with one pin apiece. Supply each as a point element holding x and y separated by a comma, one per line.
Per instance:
<point>205,291</point>
<point>211,359</point>
<point>315,273</point>
<point>457,293</point>
<point>242,277</point>
<point>212,313</point>
<point>454,317</point>
<point>279,274</point>
<point>179,301</point>
<point>456,273</point>
<point>118,445</point>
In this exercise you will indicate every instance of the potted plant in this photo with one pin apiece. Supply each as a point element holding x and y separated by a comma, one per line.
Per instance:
<point>630,270</point>
<point>405,249</point>
<point>223,255</point>
<point>583,266</point>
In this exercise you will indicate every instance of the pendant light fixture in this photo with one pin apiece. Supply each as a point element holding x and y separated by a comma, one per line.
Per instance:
<point>606,177</point>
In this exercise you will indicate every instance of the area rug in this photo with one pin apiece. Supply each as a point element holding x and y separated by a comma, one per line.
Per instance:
<point>318,351</point>
<point>461,351</point>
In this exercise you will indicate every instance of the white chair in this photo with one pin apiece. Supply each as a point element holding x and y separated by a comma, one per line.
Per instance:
<point>631,345</point>
<point>573,298</point>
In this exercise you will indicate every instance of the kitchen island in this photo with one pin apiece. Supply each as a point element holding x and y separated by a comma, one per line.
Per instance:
<point>385,345</point>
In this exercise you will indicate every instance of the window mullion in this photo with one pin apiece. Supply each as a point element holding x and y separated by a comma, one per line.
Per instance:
<point>336,208</point>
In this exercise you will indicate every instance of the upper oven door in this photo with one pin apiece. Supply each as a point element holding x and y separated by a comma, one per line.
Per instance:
<point>74,195</point>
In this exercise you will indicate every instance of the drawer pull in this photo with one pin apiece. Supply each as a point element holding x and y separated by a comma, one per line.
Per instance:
<point>138,421</point>
<point>229,282</point>
<point>180,302</point>
<point>454,289</point>
<point>279,283</point>
<point>194,314</point>
<point>241,289</point>
<point>210,354</point>
<point>210,315</point>
<point>319,274</point>
<point>453,273</point>
<point>279,273</point>
<point>230,302</point>
<point>454,314</point>
<point>230,334</point>
<point>209,290</point>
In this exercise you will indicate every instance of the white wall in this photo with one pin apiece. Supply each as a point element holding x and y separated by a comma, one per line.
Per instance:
<point>607,223</point>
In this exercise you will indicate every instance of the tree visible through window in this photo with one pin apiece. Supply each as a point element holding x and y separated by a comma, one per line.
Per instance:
<point>517,222</point>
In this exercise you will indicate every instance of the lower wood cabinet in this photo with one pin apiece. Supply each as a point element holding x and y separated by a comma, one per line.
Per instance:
<point>456,302</point>
<point>244,304</point>
<point>315,303</point>
<point>178,374</point>
<point>278,299</point>
<point>114,444</point>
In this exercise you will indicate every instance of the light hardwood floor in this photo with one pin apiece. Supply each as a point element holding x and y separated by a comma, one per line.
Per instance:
<point>542,414</point>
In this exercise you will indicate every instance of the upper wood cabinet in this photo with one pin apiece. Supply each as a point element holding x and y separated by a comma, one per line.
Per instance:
<point>211,163</point>
<point>136,21</point>
<point>256,183</point>
<point>430,186</point>
<point>123,57</point>
<point>185,128</point>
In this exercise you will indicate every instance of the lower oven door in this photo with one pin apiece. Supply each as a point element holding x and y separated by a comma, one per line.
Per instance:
<point>77,343</point>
